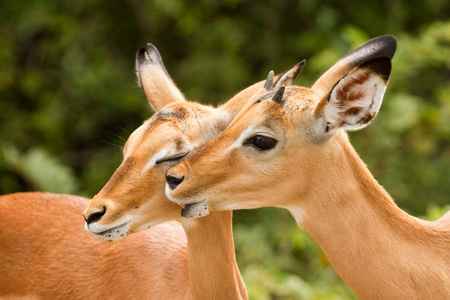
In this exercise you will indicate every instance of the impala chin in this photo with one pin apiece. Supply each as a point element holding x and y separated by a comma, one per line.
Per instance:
<point>110,233</point>
<point>190,207</point>
<point>194,210</point>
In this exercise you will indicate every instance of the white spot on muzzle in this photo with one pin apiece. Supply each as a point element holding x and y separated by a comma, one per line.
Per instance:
<point>112,232</point>
<point>168,190</point>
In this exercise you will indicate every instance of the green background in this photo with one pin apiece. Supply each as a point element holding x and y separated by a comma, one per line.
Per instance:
<point>69,100</point>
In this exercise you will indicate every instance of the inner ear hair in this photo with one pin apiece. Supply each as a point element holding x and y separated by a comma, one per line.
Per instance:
<point>355,99</point>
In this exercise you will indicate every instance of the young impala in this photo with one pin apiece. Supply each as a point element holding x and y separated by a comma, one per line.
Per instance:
<point>134,199</point>
<point>46,254</point>
<point>288,148</point>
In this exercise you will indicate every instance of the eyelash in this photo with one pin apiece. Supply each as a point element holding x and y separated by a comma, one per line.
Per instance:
<point>171,159</point>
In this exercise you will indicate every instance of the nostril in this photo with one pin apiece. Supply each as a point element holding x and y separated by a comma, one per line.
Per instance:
<point>94,217</point>
<point>173,181</point>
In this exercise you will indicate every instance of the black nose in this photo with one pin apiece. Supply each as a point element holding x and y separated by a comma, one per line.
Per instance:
<point>94,217</point>
<point>173,181</point>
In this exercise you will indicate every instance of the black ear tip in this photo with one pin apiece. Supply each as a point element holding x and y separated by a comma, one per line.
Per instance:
<point>383,45</point>
<point>389,46</point>
<point>153,54</point>
<point>148,54</point>
<point>140,56</point>
<point>389,38</point>
<point>300,67</point>
<point>151,49</point>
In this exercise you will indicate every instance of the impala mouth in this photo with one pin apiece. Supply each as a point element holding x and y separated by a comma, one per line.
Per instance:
<point>113,234</point>
<point>194,210</point>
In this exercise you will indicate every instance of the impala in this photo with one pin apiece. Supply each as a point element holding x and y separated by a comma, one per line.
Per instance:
<point>134,198</point>
<point>46,254</point>
<point>289,148</point>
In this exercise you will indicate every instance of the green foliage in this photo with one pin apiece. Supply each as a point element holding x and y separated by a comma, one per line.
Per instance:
<point>69,100</point>
<point>40,170</point>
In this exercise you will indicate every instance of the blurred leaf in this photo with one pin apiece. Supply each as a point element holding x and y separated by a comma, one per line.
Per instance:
<point>435,212</point>
<point>43,172</point>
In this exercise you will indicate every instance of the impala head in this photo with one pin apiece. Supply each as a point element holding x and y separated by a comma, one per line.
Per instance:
<point>286,139</point>
<point>134,198</point>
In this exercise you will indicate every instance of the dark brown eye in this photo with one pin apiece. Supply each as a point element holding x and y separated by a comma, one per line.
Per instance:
<point>261,142</point>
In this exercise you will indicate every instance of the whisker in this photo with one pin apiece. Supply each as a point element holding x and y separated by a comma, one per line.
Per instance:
<point>115,145</point>
<point>117,137</point>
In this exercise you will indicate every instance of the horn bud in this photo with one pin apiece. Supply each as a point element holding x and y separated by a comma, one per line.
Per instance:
<point>278,97</point>
<point>269,81</point>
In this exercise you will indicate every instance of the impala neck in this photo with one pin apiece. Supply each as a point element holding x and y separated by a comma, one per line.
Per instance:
<point>369,241</point>
<point>213,270</point>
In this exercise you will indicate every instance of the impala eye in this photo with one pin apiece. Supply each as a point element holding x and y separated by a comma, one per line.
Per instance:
<point>261,142</point>
<point>171,158</point>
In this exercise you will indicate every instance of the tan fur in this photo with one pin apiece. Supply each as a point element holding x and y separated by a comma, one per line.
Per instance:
<point>380,251</point>
<point>45,253</point>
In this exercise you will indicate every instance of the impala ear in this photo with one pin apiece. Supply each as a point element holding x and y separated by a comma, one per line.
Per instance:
<point>289,76</point>
<point>154,79</point>
<point>355,87</point>
<point>235,104</point>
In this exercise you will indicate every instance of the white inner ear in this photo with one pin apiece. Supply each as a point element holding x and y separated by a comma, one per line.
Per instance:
<point>354,101</point>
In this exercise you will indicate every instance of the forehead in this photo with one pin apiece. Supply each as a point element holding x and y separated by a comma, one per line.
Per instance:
<point>296,99</point>
<point>176,123</point>
<point>299,99</point>
<point>170,113</point>
<point>152,136</point>
<point>161,128</point>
